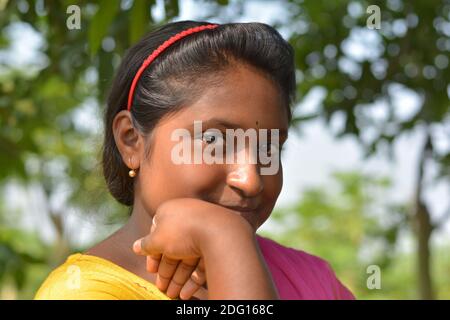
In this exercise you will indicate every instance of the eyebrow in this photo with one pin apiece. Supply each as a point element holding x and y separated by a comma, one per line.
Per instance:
<point>283,133</point>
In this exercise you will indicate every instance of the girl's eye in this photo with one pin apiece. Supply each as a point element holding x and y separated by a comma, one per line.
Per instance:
<point>270,147</point>
<point>212,136</point>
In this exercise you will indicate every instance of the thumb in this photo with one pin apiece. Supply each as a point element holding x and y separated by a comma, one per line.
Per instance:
<point>153,227</point>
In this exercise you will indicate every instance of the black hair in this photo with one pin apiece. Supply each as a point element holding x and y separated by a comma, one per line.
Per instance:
<point>180,73</point>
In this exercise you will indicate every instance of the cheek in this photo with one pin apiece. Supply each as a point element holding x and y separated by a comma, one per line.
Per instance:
<point>161,179</point>
<point>272,188</point>
<point>273,185</point>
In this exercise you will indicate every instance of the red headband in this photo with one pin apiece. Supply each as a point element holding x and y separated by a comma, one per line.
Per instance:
<point>158,51</point>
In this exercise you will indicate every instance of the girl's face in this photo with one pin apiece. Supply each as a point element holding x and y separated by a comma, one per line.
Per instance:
<point>246,100</point>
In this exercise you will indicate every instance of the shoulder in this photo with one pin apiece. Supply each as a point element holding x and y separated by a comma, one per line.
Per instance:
<point>72,280</point>
<point>276,249</point>
<point>309,269</point>
<point>87,277</point>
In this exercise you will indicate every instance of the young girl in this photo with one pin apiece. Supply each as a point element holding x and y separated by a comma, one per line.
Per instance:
<point>192,230</point>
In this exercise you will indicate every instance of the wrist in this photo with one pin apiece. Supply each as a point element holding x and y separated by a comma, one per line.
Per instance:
<point>219,230</point>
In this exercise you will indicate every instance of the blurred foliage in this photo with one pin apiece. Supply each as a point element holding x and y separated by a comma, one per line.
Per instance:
<point>359,70</point>
<point>43,144</point>
<point>20,252</point>
<point>409,51</point>
<point>349,222</point>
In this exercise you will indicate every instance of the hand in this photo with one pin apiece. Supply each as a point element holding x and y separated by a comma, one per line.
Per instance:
<point>179,278</point>
<point>173,249</point>
<point>174,277</point>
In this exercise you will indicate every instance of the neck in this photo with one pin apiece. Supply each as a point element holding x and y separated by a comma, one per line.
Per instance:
<point>138,225</point>
<point>121,241</point>
<point>140,221</point>
<point>118,248</point>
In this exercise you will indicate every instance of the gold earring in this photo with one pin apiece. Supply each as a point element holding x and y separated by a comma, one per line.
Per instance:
<point>132,172</point>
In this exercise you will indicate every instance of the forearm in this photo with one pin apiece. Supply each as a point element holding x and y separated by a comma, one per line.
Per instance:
<point>235,269</point>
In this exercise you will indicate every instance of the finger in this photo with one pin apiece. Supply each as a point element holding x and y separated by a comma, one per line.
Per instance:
<point>166,270</point>
<point>189,289</point>
<point>182,274</point>
<point>200,294</point>
<point>199,274</point>
<point>149,245</point>
<point>152,263</point>
<point>194,283</point>
<point>153,227</point>
<point>137,247</point>
<point>146,247</point>
<point>152,260</point>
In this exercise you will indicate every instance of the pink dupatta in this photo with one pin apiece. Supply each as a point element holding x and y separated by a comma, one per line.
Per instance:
<point>300,275</point>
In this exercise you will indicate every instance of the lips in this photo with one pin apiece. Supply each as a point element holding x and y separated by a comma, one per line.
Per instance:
<point>249,213</point>
<point>241,209</point>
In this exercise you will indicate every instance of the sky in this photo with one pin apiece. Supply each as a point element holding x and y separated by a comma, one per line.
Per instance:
<point>308,160</point>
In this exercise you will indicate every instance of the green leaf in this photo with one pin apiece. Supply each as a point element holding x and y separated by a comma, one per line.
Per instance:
<point>139,18</point>
<point>101,21</point>
<point>297,119</point>
<point>171,7</point>
<point>106,72</point>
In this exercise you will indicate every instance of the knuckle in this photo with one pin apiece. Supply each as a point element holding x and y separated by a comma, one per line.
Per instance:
<point>185,267</point>
<point>163,209</point>
<point>171,262</point>
<point>201,267</point>
<point>197,279</point>
<point>164,278</point>
<point>145,244</point>
<point>177,284</point>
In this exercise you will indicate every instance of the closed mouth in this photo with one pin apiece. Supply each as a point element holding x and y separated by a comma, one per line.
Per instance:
<point>242,209</point>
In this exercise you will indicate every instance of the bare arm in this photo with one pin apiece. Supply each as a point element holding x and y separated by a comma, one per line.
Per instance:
<point>235,268</point>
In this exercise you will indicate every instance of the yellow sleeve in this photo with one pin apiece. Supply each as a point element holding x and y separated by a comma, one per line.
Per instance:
<point>62,285</point>
<point>75,283</point>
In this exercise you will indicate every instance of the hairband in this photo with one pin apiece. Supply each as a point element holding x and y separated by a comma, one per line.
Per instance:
<point>158,51</point>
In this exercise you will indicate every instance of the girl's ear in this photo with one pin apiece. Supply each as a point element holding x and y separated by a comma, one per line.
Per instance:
<point>129,141</point>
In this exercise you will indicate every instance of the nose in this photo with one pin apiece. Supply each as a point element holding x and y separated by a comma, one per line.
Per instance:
<point>246,178</point>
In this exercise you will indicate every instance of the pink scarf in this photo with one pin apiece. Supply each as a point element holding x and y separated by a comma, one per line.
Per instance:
<point>299,275</point>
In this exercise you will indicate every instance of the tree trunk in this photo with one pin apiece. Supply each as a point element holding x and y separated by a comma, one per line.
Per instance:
<point>423,228</point>
<point>62,247</point>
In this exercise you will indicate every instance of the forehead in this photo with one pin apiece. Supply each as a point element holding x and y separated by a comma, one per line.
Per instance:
<point>245,97</point>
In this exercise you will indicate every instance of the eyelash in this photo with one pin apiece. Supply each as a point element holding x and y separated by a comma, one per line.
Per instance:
<point>203,135</point>
<point>281,148</point>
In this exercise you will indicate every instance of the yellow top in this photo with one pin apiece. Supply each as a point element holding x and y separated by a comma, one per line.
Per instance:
<point>87,277</point>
